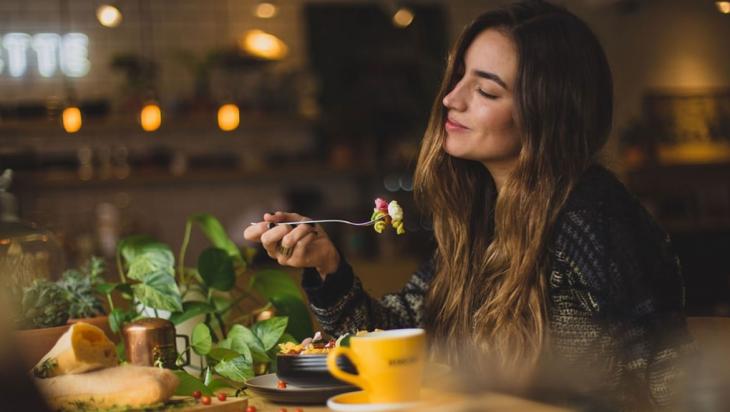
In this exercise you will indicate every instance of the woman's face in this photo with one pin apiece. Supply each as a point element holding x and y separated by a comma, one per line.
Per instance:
<point>480,124</point>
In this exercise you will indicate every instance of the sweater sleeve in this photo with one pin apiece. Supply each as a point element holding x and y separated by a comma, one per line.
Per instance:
<point>625,272</point>
<point>341,305</point>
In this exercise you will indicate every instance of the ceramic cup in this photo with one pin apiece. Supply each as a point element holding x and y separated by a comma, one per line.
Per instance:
<point>389,363</point>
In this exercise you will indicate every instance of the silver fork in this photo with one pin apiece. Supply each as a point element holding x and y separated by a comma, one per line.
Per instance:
<point>312,222</point>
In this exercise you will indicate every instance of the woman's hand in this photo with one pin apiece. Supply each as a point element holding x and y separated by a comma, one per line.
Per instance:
<point>303,246</point>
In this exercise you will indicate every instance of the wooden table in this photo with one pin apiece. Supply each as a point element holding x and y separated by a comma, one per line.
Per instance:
<point>487,401</point>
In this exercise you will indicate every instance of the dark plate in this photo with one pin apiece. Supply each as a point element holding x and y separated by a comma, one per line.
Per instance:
<point>265,386</point>
<point>310,370</point>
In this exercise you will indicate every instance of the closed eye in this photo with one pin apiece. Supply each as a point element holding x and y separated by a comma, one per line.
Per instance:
<point>485,94</point>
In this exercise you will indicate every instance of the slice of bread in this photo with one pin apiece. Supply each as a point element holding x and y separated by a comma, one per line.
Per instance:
<point>126,386</point>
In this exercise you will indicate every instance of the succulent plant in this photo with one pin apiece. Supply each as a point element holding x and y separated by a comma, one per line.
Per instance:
<point>81,288</point>
<point>45,304</point>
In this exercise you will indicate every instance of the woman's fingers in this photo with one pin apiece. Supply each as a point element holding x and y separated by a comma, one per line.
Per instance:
<point>253,232</point>
<point>279,217</point>
<point>290,239</point>
<point>288,244</point>
<point>291,245</point>
<point>271,238</point>
<point>298,255</point>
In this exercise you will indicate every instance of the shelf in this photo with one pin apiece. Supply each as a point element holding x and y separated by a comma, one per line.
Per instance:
<point>160,177</point>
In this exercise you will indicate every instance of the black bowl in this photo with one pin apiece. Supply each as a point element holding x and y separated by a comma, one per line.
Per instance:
<point>310,370</point>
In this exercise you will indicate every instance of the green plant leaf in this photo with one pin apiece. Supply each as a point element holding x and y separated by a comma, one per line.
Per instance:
<point>220,353</point>
<point>189,384</point>
<point>300,321</point>
<point>191,310</point>
<point>287,338</point>
<point>243,336</point>
<point>200,340</point>
<point>238,345</point>
<point>345,342</point>
<point>151,262</point>
<point>106,288</point>
<point>126,290</point>
<point>133,246</point>
<point>121,352</point>
<point>217,384</point>
<point>271,283</point>
<point>217,235</point>
<point>259,356</point>
<point>117,318</point>
<point>221,303</point>
<point>242,350</point>
<point>270,330</point>
<point>282,291</point>
<point>216,268</point>
<point>159,291</point>
<point>208,375</point>
<point>236,369</point>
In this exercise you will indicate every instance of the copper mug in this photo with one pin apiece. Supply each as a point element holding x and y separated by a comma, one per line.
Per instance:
<point>151,342</point>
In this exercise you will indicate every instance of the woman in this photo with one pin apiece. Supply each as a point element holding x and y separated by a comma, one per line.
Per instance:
<point>543,258</point>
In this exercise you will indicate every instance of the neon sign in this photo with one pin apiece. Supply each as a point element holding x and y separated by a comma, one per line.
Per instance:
<point>52,51</point>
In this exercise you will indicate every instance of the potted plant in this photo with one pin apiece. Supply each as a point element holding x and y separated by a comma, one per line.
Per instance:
<point>154,283</point>
<point>46,308</point>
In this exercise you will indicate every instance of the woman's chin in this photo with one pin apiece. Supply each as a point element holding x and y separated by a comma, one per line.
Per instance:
<point>456,151</point>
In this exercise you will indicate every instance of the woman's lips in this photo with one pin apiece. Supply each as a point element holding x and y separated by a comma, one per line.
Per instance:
<point>454,126</point>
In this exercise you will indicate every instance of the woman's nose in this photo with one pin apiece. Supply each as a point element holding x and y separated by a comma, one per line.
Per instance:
<point>453,101</point>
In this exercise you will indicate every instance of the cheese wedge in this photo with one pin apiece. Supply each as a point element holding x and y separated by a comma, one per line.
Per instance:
<point>126,386</point>
<point>82,348</point>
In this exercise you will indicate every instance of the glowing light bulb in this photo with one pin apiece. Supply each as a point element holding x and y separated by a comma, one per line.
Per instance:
<point>261,44</point>
<point>229,117</point>
<point>71,119</point>
<point>403,17</point>
<point>150,117</point>
<point>265,10</point>
<point>723,6</point>
<point>108,16</point>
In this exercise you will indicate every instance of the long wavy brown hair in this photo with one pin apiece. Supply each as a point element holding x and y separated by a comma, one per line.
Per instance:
<point>489,292</point>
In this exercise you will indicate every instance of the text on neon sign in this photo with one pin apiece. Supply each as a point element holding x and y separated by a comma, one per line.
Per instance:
<point>52,51</point>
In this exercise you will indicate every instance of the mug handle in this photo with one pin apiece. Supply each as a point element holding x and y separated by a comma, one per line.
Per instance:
<point>335,370</point>
<point>187,349</point>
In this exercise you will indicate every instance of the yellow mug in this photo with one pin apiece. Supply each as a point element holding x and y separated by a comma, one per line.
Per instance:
<point>389,364</point>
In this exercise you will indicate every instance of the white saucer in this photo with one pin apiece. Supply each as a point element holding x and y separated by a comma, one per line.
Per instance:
<point>358,402</point>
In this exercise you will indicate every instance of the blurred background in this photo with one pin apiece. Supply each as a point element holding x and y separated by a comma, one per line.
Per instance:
<point>125,117</point>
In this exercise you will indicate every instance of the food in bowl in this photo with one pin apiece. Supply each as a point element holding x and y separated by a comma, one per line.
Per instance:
<point>305,363</point>
<point>310,346</point>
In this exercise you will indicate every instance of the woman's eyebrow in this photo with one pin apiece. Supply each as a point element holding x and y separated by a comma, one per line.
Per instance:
<point>490,76</point>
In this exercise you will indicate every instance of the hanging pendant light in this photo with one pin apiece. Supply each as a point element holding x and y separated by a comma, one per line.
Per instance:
<point>264,45</point>
<point>150,117</point>
<point>71,119</point>
<point>403,17</point>
<point>109,15</point>
<point>723,6</point>
<point>229,117</point>
<point>265,10</point>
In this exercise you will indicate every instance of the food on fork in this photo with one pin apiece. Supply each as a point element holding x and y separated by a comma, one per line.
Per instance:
<point>388,213</point>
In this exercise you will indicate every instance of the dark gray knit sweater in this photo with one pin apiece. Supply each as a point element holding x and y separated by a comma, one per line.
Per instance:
<point>616,297</point>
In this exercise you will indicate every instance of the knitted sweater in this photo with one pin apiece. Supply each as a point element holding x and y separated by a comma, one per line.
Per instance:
<point>615,291</point>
